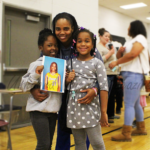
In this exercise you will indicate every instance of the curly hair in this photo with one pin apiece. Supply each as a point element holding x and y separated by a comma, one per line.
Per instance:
<point>137,27</point>
<point>43,34</point>
<point>93,38</point>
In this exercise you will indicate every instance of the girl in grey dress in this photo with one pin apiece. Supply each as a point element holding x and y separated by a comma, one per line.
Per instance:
<point>85,119</point>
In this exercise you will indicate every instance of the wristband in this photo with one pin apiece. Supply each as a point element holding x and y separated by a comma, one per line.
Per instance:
<point>95,91</point>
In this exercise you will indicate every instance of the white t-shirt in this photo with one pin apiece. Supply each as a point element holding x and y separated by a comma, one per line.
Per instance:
<point>135,65</point>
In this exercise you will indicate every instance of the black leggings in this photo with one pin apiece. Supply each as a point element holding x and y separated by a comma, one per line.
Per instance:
<point>44,127</point>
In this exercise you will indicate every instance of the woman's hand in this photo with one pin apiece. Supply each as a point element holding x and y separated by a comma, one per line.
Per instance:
<point>88,97</point>
<point>39,95</point>
<point>39,69</point>
<point>104,120</point>
<point>121,49</point>
<point>120,52</point>
<point>112,50</point>
<point>113,64</point>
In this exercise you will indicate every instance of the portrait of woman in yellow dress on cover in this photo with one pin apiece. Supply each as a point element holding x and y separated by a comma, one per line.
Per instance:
<point>53,79</point>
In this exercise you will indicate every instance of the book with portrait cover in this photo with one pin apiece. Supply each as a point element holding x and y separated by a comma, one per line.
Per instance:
<point>53,75</point>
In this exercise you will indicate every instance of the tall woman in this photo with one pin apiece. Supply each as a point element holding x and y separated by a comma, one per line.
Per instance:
<point>135,62</point>
<point>108,56</point>
<point>64,26</point>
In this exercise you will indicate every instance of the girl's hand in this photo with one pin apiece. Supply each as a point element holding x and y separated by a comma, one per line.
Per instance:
<point>39,69</point>
<point>88,97</point>
<point>112,64</point>
<point>104,120</point>
<point>70,76</point>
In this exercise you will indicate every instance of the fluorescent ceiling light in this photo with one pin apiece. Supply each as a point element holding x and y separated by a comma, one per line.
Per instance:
<point>131,6</point>
<point>148,18</point>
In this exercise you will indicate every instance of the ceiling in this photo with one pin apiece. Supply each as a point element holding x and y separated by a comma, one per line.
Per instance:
<point>137,13</point>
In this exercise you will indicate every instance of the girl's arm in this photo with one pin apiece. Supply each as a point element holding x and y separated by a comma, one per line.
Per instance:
<point>30,78</point>
<point>135,51</point>
<point>103,106</point>
<point>102,80</point>
<point>59,83</point>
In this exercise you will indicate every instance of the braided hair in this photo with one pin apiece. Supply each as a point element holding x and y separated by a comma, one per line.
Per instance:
<point>68,17</point>
<point>93,38</point>
<point>43,34</point>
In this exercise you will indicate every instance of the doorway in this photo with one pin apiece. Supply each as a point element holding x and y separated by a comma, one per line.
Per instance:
<point>20,34</point>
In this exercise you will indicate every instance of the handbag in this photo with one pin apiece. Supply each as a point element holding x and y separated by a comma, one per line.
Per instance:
<point>147,83</point>
<point>146,79</point>
<point>63,110</point>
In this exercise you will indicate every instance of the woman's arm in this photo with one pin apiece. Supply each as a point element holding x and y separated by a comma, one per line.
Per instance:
<point>102,57</point>
<point>135,51</point>
<point>120,52</point>
<point>109,54</point>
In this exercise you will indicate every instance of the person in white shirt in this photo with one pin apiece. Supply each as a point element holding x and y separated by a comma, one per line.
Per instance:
<point>134,61</point>
<point>108,55</point>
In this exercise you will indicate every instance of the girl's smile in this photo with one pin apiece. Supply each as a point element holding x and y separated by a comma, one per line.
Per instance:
<point>49,47</point>
<point>84,43</point>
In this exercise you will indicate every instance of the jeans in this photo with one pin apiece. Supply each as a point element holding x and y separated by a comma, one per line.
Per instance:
<point>133,83</point>
<point>44,127</point>
<point>111,95</point>
<point>110,79</point>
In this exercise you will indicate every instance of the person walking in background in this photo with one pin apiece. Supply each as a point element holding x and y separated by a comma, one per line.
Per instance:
<point>108,56</point>
<point>134,61</point>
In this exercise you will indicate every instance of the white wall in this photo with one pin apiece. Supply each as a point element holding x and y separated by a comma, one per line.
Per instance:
<point>116,23</point>
<point>80,9</point>
<point>148,33</point>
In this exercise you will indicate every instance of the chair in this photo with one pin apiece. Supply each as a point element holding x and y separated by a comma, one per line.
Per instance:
<point>4,123</point>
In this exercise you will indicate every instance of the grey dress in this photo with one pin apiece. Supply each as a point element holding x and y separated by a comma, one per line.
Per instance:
<point>87,74</point>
